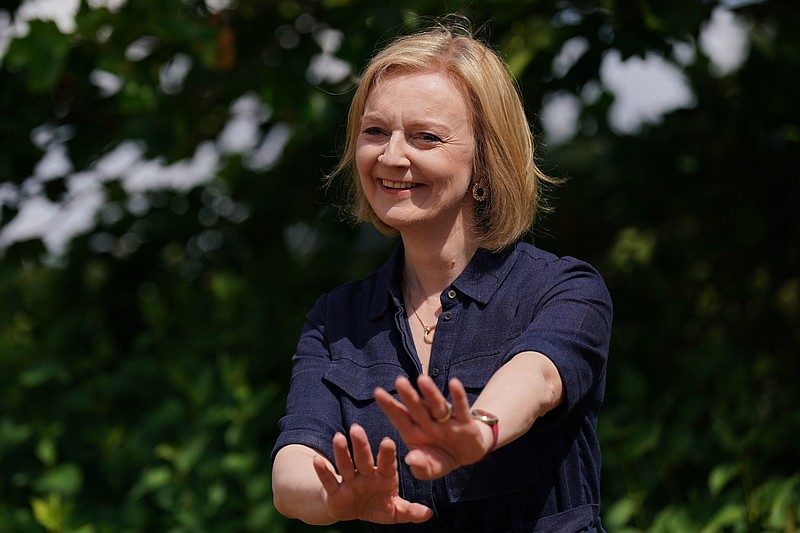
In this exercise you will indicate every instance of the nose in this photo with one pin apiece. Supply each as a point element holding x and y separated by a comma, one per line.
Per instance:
<point>394,153</point>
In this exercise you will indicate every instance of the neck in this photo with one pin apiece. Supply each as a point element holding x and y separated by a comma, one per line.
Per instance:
<point>431,265</point>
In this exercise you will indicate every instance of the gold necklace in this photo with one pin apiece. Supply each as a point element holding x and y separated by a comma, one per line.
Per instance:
<point>428,336</point>
<point>429,330</point>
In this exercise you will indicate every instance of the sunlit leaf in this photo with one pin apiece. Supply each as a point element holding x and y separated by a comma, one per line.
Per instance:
<point>720,477</point>
<point>65,479</point>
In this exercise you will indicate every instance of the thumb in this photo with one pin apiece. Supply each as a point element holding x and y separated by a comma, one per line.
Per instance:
<point>415,513</point>
<point>424,465</point>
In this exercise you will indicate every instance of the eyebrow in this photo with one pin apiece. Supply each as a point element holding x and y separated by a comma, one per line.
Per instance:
<point>425,123</point>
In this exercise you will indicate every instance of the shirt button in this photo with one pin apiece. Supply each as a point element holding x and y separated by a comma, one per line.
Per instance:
<point>434,372</point>
<point>448,315</point>
<point>451,294</point>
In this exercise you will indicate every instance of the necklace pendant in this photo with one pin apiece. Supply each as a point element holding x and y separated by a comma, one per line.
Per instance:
<point>428,336</point>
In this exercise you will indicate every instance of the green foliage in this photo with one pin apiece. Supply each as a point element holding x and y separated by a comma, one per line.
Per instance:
<point>144,368</point>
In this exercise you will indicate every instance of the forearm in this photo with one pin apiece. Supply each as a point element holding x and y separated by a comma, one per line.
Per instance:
<point>297,490</point>
<point>522,390</point>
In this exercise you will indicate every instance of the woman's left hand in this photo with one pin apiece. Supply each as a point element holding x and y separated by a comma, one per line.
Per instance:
<point>437,443</point>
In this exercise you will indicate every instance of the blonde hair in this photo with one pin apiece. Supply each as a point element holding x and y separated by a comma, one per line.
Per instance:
<point>504,157</point>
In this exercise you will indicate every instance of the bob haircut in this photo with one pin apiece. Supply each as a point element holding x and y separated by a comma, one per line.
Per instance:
<point>504,160</point>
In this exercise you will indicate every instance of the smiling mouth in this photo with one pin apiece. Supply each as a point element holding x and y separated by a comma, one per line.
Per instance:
<point>397,184</point>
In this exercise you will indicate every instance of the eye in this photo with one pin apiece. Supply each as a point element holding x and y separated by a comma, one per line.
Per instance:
<point>429,138</point>
<point>372,131</point>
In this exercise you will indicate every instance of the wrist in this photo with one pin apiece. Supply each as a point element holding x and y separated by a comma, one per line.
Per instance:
<point>492,428</point>
<point>487,439</point>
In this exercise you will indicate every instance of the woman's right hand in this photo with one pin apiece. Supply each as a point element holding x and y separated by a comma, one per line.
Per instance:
<point>364,490</point>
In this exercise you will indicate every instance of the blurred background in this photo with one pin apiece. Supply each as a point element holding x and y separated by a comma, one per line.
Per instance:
<point>164,230</point>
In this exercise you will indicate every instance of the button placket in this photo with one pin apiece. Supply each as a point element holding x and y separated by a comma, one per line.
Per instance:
<point>401,323</point>
<point>440,358</point>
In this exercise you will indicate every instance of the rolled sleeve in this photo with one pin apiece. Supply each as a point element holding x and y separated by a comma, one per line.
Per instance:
<point>571,327</point>
<point>312,412</point>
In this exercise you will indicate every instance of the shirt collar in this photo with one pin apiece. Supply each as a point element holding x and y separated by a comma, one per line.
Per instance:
<point>485,272</point>
<point>387,283</point>
<point>483,275</point>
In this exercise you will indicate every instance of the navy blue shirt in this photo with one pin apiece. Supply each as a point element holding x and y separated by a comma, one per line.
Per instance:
<point>521,299</point>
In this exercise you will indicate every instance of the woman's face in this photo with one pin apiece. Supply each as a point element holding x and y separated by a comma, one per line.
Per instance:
<point>414,153</point>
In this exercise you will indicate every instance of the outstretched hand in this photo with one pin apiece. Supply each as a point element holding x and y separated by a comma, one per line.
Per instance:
<point>365,490</point>
<point>437,444</point>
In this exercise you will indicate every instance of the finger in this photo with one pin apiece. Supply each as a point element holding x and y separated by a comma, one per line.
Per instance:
<point>344,463</point>
<point>387,458</point>
<point>425,464</point>
<point>415,513</point>
<point>413,401</point>
<point>396,412</point>
<point>434,399</point>
<point>362,453</point>
<point>458,395</point>
<point>387,403</point>
<point>328,479</point>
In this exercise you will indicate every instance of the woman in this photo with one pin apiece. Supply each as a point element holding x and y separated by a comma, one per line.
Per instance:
<point>457,387</point>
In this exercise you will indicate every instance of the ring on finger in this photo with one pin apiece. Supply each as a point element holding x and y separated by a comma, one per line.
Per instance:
<point>443,419</point>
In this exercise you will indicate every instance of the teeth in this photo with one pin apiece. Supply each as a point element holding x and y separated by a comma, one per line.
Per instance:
<point>397,184</point>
